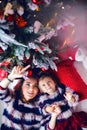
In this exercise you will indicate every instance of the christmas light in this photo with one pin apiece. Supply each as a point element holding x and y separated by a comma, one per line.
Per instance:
<point>63,7</point>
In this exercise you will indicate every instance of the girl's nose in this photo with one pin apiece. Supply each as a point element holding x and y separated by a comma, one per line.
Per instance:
<point>47,85</point>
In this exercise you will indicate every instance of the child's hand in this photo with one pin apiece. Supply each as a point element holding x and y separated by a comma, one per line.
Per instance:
<point>56,111</point>
<point>54,108</point>
<point>69,96</point>
<point>49,109</point>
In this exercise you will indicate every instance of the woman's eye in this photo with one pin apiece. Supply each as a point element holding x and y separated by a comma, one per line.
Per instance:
<point>27,84</point>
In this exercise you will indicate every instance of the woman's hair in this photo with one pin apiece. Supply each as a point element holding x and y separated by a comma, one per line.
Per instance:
<point>19,92</point>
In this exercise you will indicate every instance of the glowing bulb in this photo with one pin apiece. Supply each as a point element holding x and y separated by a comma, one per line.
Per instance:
<point>37,9</point>
<point>62,7</point>
<point>34,15</point>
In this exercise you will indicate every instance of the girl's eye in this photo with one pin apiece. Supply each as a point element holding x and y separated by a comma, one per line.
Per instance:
<point>43,84</point>
<point>48,82</point>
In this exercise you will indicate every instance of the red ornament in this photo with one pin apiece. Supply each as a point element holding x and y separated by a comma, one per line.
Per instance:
<point>29,73</point>
<point>42,48</point>
<point>10,17</point>
<point>43,69</point>
<point>20,22</point>
<point>1,50</point>
<point>1,13</point>
<point>38,2</point>
<point>5,63</point>
<point>36,50</point>
<point>3,74</point>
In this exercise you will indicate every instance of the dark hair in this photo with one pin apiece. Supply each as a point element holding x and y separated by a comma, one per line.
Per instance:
<point>51,75</point>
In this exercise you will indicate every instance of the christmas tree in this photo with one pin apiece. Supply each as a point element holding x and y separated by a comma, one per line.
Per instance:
<point>28,29</point>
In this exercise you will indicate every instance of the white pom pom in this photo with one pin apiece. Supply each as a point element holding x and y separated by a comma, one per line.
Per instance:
<point>80,54</point>
<point>37,26</point>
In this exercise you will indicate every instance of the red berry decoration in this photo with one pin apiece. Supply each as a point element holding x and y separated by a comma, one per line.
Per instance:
<point>3,74</point>
<point>20,22</point>
<point>38,2</point>
<point>29,73</point>
<point>1,50</point>
<point>1,13</point>
<point>10,18</point>
<point>5,63</point>
<point>43,69</point>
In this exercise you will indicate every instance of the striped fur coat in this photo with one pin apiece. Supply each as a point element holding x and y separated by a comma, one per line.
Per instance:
<point>58,98</point>
<point>18,115</point>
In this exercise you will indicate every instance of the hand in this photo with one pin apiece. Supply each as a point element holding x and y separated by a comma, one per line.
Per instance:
<point>49,109</point>
<point>69,96</point>
<point>53,109</point>
<point>17,72</point>
<point>56,111</point>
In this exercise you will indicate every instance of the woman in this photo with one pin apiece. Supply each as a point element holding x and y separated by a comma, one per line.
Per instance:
<point>21,111</point>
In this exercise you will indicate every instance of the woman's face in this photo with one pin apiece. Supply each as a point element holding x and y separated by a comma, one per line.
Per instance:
<point>47,85</point>
<point>29,89</point>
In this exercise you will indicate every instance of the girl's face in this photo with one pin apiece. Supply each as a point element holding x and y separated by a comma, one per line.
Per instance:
<point>47,85</point>
<point>29,89</point>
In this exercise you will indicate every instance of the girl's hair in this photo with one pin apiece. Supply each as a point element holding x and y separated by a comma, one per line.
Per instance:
<point>18,89</point>
<point>51,75</point>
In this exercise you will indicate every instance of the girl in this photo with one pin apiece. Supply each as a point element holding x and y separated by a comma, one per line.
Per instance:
<point>57,103</point>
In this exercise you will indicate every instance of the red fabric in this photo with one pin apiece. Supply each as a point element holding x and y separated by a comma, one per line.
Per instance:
<point>68,75</point>
<point>75,122</point>
<point>69,52</point>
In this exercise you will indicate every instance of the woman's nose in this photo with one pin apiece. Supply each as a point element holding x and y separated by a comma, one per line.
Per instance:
<point>31,88</point>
